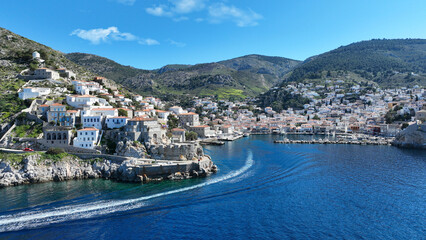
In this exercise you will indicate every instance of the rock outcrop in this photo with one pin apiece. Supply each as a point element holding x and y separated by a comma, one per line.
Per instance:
<point>414,136</point>
<point>177,151</point>
<point>131,149</point>
<point>34,169</point>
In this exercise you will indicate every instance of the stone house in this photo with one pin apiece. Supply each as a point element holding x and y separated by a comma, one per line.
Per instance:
<point>144,130</point>
<point>178,135</point>
<point>56,136</point>
<point>203,131</point>
<point>45,73</point>
<point>189,119</point>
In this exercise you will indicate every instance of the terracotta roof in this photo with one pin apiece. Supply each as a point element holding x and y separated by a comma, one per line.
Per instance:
<point>142,119</point>
<point>57,104</point>
<point>178,130</point>
<point>44,105</point>
<point>119,117</point>
<point>72,111</point>
<point>81,96</point>
<point>190,113</point>
<point>88,129</point>
<point>200,126</point>
<point>103,109</point>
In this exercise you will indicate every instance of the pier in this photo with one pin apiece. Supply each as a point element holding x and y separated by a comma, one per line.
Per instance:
<point>340,141</point>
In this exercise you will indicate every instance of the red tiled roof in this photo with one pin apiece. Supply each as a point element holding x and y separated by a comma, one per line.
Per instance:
<point>88,129</point>
<point>178,130</point>
<point>142,119</point>
<point>190,113</point>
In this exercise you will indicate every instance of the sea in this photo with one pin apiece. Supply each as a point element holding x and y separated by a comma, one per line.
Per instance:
<point>262,190</point>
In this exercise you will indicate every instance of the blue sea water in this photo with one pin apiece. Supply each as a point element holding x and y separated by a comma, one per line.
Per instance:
<point>263,190</point>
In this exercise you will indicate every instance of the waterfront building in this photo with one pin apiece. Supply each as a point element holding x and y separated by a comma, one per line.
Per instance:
<point>86,138</point>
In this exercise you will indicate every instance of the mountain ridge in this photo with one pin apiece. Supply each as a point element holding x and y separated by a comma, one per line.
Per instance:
<point>238,77</point>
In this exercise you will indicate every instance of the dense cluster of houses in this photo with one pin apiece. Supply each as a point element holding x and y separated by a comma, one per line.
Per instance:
<point>92,110</point>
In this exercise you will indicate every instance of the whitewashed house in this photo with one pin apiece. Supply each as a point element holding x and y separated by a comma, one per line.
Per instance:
<point>86,138</point>
<point>33,92</point>
<point>116,122</point>
<point>81,101</point>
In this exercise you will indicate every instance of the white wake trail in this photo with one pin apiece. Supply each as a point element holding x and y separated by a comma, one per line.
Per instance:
<point>16,221</point>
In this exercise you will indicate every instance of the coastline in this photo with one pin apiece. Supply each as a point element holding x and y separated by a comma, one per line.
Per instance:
<point>34,169</point>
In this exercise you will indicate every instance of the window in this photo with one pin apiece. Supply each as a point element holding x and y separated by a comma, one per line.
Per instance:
<point>93,133</point>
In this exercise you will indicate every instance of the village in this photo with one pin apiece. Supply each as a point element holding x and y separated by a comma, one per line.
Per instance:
<point>93,116</point>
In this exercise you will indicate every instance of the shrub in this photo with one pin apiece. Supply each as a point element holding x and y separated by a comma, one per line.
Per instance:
<point>55,151</point>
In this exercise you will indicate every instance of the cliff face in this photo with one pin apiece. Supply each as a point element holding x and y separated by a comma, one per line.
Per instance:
<point>33,169</point>
<point>414,136</point>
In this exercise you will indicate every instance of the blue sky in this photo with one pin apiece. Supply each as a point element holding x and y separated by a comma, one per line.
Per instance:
<point>149,34</point>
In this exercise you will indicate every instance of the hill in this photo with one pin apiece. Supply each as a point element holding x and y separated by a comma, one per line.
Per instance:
<point>389,63</point>
<point>384,63</point>
<point>16,56</point>
<point>234,78</point>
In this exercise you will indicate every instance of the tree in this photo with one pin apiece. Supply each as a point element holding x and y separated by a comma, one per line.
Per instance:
<point>122,112</point>
<point>316,117</point>
<point>172,121</point>
<point>191,136</point>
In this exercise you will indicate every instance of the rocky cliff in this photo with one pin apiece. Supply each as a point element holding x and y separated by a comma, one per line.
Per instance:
<point>34,169</point>
<point>414,136</point>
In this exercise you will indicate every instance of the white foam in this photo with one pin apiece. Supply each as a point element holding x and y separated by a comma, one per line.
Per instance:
<point>16,221</point>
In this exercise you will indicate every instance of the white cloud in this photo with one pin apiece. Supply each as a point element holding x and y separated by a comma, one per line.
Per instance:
<point>126,2</point>
<point>221,12</point>
<point>187,6</point>
<point>216,12</point>
<point>148,42</point>
<point>159,11</point>
<point>175,43</point>
<point>176,7</point>
<point>99,35</point>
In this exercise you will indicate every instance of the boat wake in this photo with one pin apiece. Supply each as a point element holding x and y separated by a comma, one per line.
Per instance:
<point>33,219</point>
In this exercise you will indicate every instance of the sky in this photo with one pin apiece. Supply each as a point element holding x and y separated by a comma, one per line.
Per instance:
<point>149,34</point>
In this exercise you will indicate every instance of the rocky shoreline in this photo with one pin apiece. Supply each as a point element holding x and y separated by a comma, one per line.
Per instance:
<point>34,169</point>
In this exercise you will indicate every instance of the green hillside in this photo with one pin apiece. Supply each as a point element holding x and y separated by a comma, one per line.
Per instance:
<point>16,56</point>
<point>390,63</point>
<point>235,78</point>
<point>386,63</point>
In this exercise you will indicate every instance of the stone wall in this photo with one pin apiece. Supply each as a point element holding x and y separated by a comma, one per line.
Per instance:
<point>176,151</point>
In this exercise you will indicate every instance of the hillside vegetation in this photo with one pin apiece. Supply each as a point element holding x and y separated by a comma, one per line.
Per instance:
<point>386,63</point>
<point>235,78</point>
<point>390,63</point>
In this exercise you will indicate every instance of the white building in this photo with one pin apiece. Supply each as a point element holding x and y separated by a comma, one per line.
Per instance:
<point>112,112</point>
<point>116,122</point>
<point>32,92</point>
<point>86,138</point>
<point>177,110</point>
<point>80,101</point>
<point>92,121</point>
<point>36,55</point>
<point>163,114</point>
